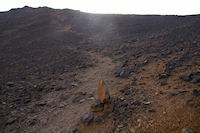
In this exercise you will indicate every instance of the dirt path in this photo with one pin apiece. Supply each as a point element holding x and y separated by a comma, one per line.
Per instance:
<point>61,113</point>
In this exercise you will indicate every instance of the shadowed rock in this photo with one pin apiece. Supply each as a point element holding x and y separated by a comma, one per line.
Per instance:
<point>87,117</point>
<point>97,106</point>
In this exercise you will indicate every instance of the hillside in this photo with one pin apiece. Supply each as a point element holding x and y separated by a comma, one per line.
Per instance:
<point>51,61</point>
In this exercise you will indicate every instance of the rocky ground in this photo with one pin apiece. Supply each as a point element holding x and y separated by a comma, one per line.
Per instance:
<point>51,62</point>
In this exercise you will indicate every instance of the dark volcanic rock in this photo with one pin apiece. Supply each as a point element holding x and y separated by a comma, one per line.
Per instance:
<point>117,73</point>
<point>125,73</point>
<point>121,110</point>
<point>60,87</point>
<point>78,98</point>
<point>97,106</point>
<point>152,110</point>
<point>186,77</point>
<point>193,77</point>
<point>196,92</point>
<point>105,115</point>
<point>87,117</point>
<point>127,92</point>
<point>11,120</point>
<point>11,84</point>
<point>163,83</point>
<point>97,119</point>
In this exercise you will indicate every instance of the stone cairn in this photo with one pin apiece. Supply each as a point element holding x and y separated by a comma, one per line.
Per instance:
<point>101,107</point>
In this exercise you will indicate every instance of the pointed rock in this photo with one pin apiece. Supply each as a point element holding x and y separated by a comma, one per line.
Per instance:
<point>102,93</point>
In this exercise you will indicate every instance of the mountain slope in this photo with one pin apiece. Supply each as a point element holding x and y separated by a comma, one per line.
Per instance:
<point>51,60</point>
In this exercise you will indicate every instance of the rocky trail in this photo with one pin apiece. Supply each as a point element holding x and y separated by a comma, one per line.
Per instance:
<point>65,108</point>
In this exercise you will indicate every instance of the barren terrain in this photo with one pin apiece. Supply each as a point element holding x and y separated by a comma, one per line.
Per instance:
<point>51,61</point>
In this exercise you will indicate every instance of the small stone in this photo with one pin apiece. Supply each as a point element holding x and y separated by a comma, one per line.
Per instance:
<point>161,92</point>
<point>195,79</point>
<point>125,73</point>
<point>75,130</point>
<point>173,93</point>
<point>105,115</point>
<point>61,105</point>
<point>122,98</point>
<point>163,83</point>
<point>186,130</point>
<point>186,77</point>
<point>120,126</point>
<point>82,100</point>
<point>87,117</point>
<point>132,107</point>
<point>90,98</point>
<point>127,92</point>
<point>152,110</point>
<point>97,106</point>
<point>196,71</point>
<point>189,101</point>
<point>74,84</point>
<point>196,92</point>
<point>117,73</point>
<point>121,110</point>
<point>147,103</point>
<point>42,103</point>
<point>97,119</point>
<point>60,87</point>
<point>78,98</point>
<point>11,84</point>
<point>163,75</point>
<point>11,120</point>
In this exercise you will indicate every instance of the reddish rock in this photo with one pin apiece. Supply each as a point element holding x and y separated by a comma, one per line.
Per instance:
<point>102,93</point>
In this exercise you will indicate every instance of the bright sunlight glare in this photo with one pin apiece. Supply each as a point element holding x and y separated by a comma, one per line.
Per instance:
<point>164,7</point>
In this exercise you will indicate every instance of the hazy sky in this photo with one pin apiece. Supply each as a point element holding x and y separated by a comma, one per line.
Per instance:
<point>178,7</point>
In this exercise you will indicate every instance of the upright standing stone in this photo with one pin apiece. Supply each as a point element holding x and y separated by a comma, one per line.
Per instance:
<point>102,93</point>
